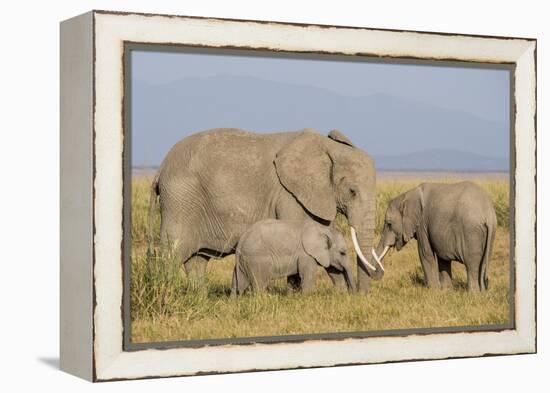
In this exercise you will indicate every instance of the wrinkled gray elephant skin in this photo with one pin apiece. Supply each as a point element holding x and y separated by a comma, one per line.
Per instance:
<point>451,222</point>
<point>214,184</point>
<point>272,249</point>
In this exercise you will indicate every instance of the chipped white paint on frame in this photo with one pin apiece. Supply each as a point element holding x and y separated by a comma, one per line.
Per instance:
<point>111,30</point>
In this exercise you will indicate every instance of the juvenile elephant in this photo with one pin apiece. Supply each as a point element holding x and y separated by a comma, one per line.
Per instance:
<point>214,184</point>
<point>451,222</point>
<point>272,249</point>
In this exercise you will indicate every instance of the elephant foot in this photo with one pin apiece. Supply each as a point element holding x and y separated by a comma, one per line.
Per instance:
<point>432,280</point>
<point>434,285</point>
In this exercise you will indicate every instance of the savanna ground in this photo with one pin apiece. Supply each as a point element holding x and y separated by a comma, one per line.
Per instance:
<point>164,307</point>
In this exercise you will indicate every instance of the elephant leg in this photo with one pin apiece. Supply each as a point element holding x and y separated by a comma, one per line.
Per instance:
<point>242,282</point>
<point>364,280</point>
<point>472,263</point>
<point>175,237</point>
<point>431,271</point>
<point>308,286</point>
<point>473,258</point>
<point>289,209</point>
<point>473,278</point>
<point>483,279</point>
<point>445,273</point>
<point>195,267</point>
<point>337,277</point>
<point>428,259</point>
<point>258,285</point>
<point>307,276</point>
<point>431,274</point>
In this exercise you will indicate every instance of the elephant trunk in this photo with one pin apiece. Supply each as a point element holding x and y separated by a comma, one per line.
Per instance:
<point>360,255</point>
<point>380,251</point>
<point>366,259</point>
<point>348,275</point>
<point>363,240</point>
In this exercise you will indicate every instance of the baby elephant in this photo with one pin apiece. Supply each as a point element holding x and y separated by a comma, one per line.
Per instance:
<point>272,249</point>
<point>451,222</point>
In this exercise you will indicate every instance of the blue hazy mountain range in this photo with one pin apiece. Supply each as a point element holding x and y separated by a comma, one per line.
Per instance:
<point>401,134</point>
<point>442,160</point>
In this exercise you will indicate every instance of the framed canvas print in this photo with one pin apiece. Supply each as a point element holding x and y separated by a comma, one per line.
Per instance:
<point>247,195</point>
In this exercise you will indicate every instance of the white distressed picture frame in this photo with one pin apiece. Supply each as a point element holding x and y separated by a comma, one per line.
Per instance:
<point>92,168</point>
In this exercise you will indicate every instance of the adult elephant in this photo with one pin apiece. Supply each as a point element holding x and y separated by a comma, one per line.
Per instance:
<point>214,184</point>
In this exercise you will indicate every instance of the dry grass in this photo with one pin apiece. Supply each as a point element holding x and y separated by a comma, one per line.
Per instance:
<point>164,307</point>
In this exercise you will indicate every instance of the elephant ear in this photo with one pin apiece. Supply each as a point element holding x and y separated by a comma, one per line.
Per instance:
<point>337,136</point>
<point>317,245</point>
<point>411,210</point>
<point>304,169</point>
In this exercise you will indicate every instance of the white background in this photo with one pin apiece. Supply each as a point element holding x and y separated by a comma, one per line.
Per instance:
<point>29,201</point>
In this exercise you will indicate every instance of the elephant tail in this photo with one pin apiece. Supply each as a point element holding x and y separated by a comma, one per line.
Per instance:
<point>235,281</point>
<point>153,202</point>
<point>489,239</point>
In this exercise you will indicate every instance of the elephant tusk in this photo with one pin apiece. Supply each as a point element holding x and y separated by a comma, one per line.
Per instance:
<point>358,250</point>
<point>379,259</point>
<point>384,252</point>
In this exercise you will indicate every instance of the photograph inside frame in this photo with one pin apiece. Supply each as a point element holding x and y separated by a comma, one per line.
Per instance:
<point>286,195</point>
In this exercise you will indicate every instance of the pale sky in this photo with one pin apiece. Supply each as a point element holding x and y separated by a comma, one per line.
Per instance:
<point>329,92</point>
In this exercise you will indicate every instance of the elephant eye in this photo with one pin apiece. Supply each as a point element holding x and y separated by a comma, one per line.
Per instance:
<point>343,253</point>
<point>352,192</point>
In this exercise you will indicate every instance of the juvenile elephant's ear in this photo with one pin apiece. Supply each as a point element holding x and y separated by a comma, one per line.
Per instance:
<point>411,210</point>
<point>317,245</point>
<point>304,169</point>
<point>337,136</point>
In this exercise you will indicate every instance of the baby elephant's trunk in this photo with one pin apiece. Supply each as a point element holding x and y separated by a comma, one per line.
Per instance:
<point>348,274</point>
